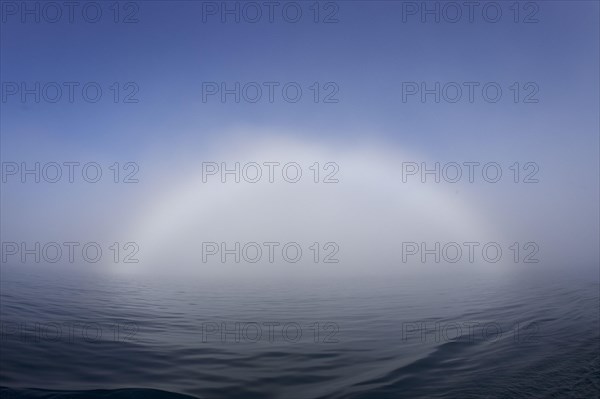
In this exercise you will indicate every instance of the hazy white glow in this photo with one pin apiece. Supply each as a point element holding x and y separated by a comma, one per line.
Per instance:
<point>369,213</point>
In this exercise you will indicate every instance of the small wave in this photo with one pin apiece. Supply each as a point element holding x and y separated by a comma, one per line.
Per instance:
<point>126,393</point>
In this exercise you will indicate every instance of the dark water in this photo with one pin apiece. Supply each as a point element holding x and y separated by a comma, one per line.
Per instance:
<point>73,335</point>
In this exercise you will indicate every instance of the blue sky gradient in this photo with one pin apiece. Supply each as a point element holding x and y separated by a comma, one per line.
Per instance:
<point>368,54</point>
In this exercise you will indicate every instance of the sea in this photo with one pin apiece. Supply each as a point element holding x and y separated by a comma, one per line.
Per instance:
<point>98,335</point>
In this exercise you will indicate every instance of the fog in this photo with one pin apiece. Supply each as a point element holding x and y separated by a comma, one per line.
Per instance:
<point>364,205</point>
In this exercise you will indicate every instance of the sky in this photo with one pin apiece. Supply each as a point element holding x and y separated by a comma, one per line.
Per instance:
<point>162,116</point>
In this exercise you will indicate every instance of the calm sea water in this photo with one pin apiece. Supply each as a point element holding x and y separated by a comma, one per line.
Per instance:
<point>77,335</point>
